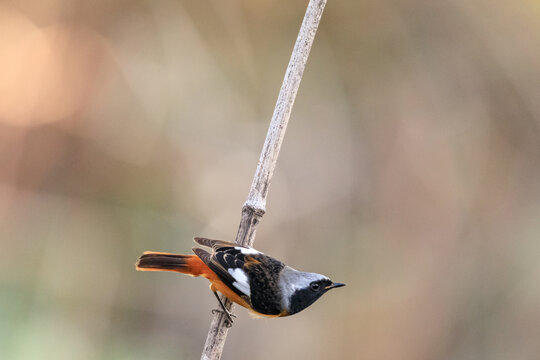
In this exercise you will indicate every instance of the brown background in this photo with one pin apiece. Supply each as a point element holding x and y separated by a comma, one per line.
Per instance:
<point>410,171</point>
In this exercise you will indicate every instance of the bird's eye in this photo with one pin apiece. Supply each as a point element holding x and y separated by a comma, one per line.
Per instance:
<point>315,286</point>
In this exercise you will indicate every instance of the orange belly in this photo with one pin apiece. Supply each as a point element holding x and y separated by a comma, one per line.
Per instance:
<point>217,285</point>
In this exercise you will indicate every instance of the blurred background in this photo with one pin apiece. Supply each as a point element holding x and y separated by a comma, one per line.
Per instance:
<point>410,171</point>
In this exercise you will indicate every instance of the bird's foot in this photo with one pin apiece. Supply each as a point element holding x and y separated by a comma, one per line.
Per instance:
<point>229,315</point>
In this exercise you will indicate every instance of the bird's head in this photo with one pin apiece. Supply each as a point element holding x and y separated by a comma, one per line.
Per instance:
<point>301,289</point>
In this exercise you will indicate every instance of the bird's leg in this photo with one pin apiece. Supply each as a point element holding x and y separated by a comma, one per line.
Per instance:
<point>223,310</point>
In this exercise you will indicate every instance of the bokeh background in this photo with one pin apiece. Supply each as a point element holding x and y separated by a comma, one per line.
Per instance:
<point>410,171</point>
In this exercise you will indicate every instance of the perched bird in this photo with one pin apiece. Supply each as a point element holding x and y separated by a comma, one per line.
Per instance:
<point>258,282</point>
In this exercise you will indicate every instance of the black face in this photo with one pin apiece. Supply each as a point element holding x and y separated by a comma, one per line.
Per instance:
<point>302,298</point>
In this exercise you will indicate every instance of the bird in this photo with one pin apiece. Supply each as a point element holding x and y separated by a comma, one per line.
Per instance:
<point>264,285</point>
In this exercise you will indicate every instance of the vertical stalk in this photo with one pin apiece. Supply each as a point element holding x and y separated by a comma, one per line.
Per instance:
<point>255,205</point>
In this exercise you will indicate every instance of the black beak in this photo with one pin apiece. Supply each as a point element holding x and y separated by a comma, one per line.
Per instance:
<point>334,285</point>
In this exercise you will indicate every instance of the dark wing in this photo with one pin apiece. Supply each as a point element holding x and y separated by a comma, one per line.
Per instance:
<point>227,261</point>
<point>242,267</point>
<point>216,244</point>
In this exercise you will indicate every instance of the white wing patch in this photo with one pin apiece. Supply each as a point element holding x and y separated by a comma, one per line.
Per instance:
<point>242,282</point>
<point>247,251</point>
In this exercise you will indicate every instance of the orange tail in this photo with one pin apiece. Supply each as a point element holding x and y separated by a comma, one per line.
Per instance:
<point>185,264</point>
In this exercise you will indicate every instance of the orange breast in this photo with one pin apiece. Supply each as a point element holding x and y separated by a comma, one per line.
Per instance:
<point>218,285</point>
